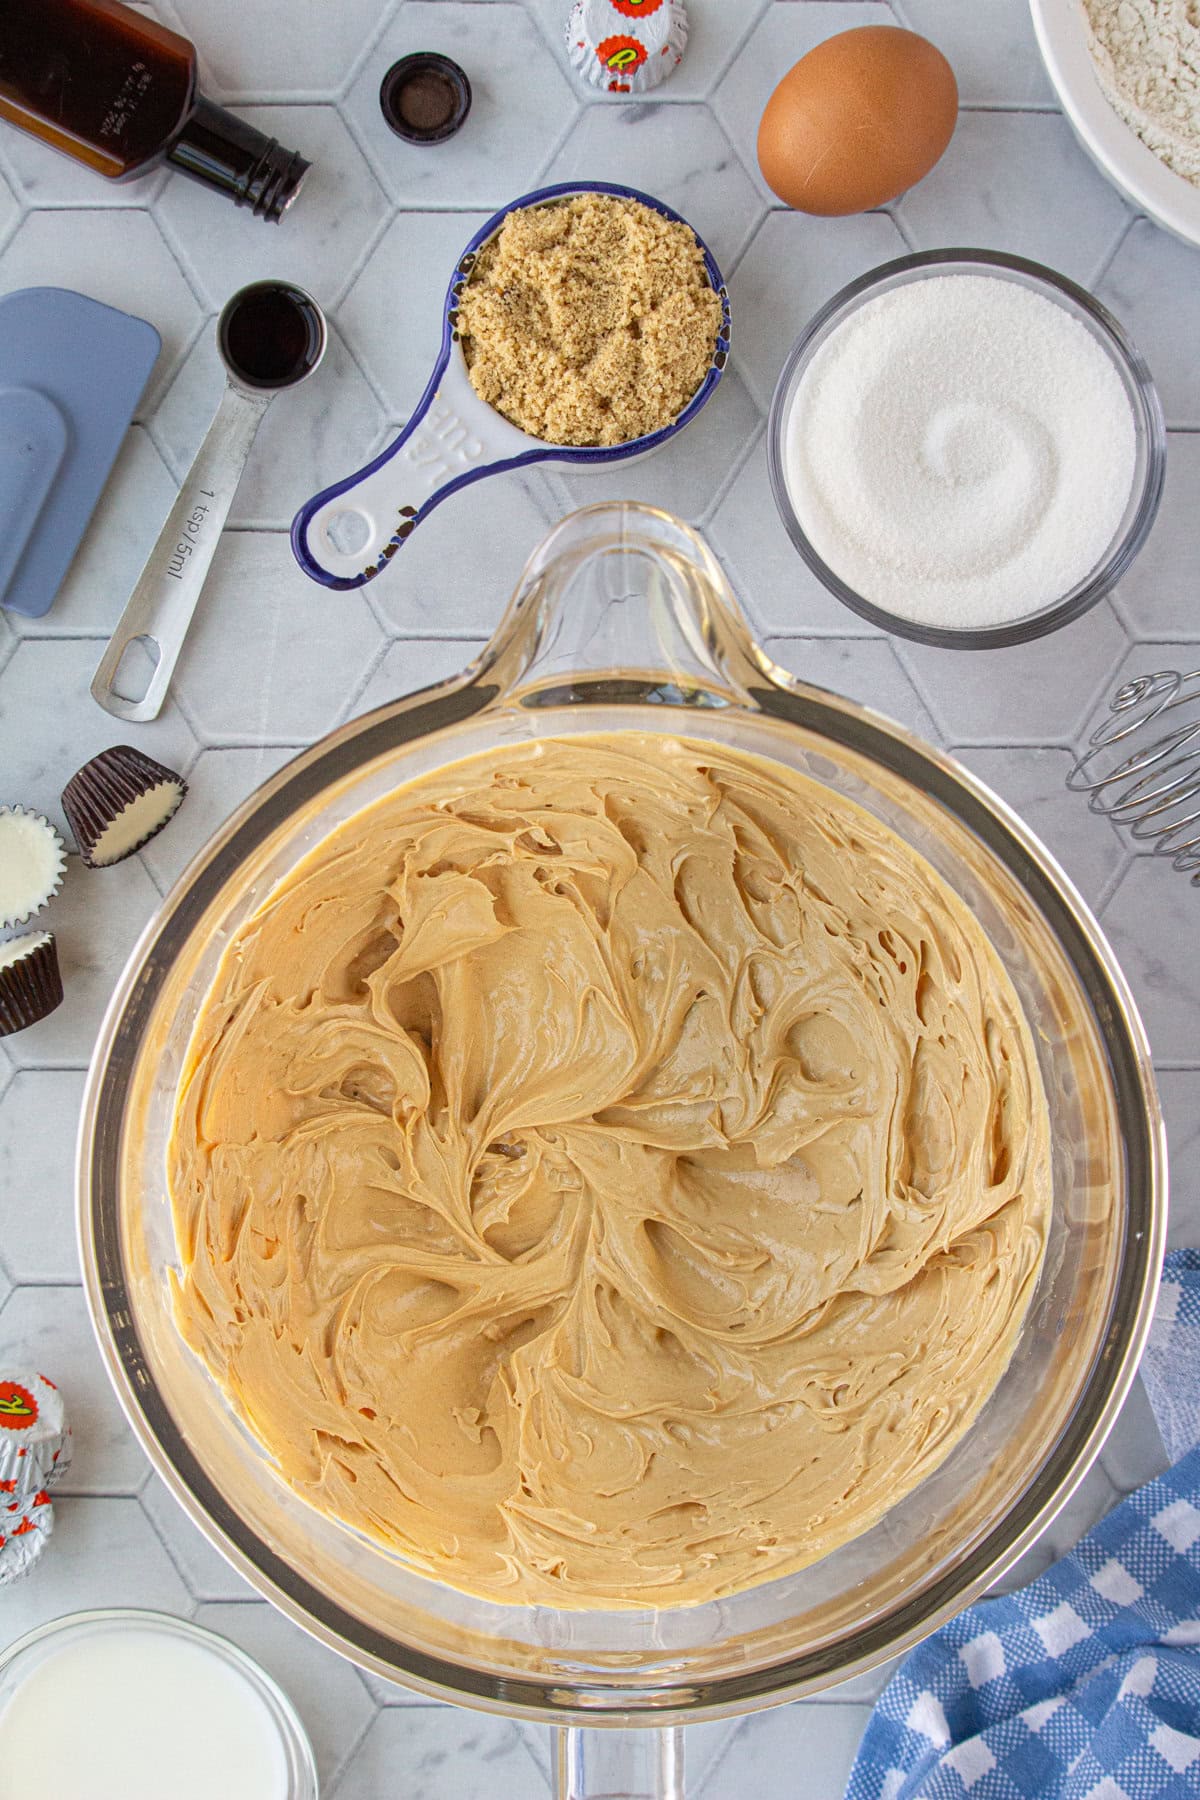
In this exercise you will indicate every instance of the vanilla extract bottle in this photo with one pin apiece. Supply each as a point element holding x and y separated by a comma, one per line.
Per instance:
<point>118,92</point>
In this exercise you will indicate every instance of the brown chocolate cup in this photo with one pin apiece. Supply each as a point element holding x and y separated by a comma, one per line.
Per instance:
<point>96,799</point>
<point>31,985</point>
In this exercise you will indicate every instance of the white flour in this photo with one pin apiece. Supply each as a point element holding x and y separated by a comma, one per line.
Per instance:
<point>960,451</point>
<point>1147,57</point>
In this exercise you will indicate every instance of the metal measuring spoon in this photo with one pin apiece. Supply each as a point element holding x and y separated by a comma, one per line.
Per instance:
<point>271,335</point>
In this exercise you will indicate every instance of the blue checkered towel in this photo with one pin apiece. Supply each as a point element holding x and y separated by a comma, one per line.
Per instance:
<point>1086,1684</point>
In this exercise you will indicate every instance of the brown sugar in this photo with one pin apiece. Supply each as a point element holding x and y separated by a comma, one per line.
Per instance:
<point>590,320</point>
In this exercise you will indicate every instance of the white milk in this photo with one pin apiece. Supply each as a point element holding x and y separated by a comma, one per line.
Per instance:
<point>138,1715</point>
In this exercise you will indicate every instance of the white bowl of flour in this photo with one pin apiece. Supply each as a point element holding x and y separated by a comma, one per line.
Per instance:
<point>1127,73</point>
<point>966,448</point>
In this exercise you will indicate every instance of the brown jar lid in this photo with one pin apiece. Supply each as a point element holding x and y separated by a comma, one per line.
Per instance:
<point>425,97</point>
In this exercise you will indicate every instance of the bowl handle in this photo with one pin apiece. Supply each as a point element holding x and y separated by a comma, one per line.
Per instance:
<point>618,593</point>
<point>616,1763</point>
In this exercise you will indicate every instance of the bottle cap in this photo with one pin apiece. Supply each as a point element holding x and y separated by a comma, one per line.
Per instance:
<point>425,98</point>
<point>35,1439</point>
<point>626,46</point>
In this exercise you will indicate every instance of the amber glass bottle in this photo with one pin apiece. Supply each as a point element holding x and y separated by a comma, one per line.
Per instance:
<point>118,92</point>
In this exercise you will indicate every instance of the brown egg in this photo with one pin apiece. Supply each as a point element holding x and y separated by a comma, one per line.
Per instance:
<point>859,119</point>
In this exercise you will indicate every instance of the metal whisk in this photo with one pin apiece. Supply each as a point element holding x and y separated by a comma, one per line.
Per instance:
<point>1152,786</point>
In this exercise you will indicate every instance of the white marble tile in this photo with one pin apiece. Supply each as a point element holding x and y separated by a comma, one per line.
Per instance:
<point>521,104</point>
<point>1033,781</point>
<point>129,514</point>
<point>204,1569</point>
<point>863,669</point>
<point>309,438</point>
<point>271,655</point>
<point>10,209</point>
<point>1160,596</point>
<point>442,1753</point>
<point>677,153</point>
<point>96,921</point>
<point>267,49</point>
<point>389,1693</point>
<point>793,266</point>
<point>411,664</point>
<point>990,45</point>
<point>218,781</point>
<point>49,1327</point>
<point>1179,1091</point>
<point>715,31</point>
<point>1153,287</point>
<point>769,576</point>
<point>1018,182</point>
<point>1034,693</point>
<point>685,477</point>
<point>392,315</point>
<point>1133,1452</point>
<point>102,1553</point>
<point>37,1175</point>
<point>320,241</point>
<point>115,255</point>
<point>46,682</point>
<point>321,1686</point>
<point>46,177</point>
<point>1151,921</point>
<point>767,1751</point>
<point>423,591</point>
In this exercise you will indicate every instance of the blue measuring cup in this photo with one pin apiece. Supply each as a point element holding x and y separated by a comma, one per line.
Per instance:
<point>348,533</point>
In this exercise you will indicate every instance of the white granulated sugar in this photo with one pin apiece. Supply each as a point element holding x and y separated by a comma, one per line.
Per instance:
<point>1147,58</point>
<point>961,451</point>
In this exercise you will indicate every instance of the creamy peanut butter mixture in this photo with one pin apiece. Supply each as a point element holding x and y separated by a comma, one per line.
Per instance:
<point>611,1171</point>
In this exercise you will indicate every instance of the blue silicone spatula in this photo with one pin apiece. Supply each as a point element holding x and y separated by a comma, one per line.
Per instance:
<point>71,374</point>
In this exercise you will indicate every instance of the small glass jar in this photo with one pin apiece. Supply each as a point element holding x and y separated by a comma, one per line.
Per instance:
<point>1150,431</point>
<point>112,1634</point>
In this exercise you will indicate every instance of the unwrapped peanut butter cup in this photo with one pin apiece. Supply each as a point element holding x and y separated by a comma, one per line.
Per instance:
<point>118,802</point>
<point>30,982</point>
<point>32,864</point>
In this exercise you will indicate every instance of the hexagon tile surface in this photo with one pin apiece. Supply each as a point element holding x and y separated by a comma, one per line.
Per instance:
<point>274,660</point>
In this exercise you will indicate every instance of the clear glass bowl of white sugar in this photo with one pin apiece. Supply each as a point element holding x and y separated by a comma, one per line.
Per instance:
<point>966,448</point>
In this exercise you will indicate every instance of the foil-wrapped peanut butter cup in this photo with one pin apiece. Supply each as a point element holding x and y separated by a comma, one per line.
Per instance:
<point>35,1439</point>
<point>33,862</point>
<point>30,982</point>
<point>626,46</point>
<point>25,1528</point>
<point>118,801</point>
<point>35,1451</point>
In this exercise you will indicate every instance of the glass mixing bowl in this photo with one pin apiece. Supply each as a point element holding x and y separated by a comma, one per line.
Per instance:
<point>623,620</point>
